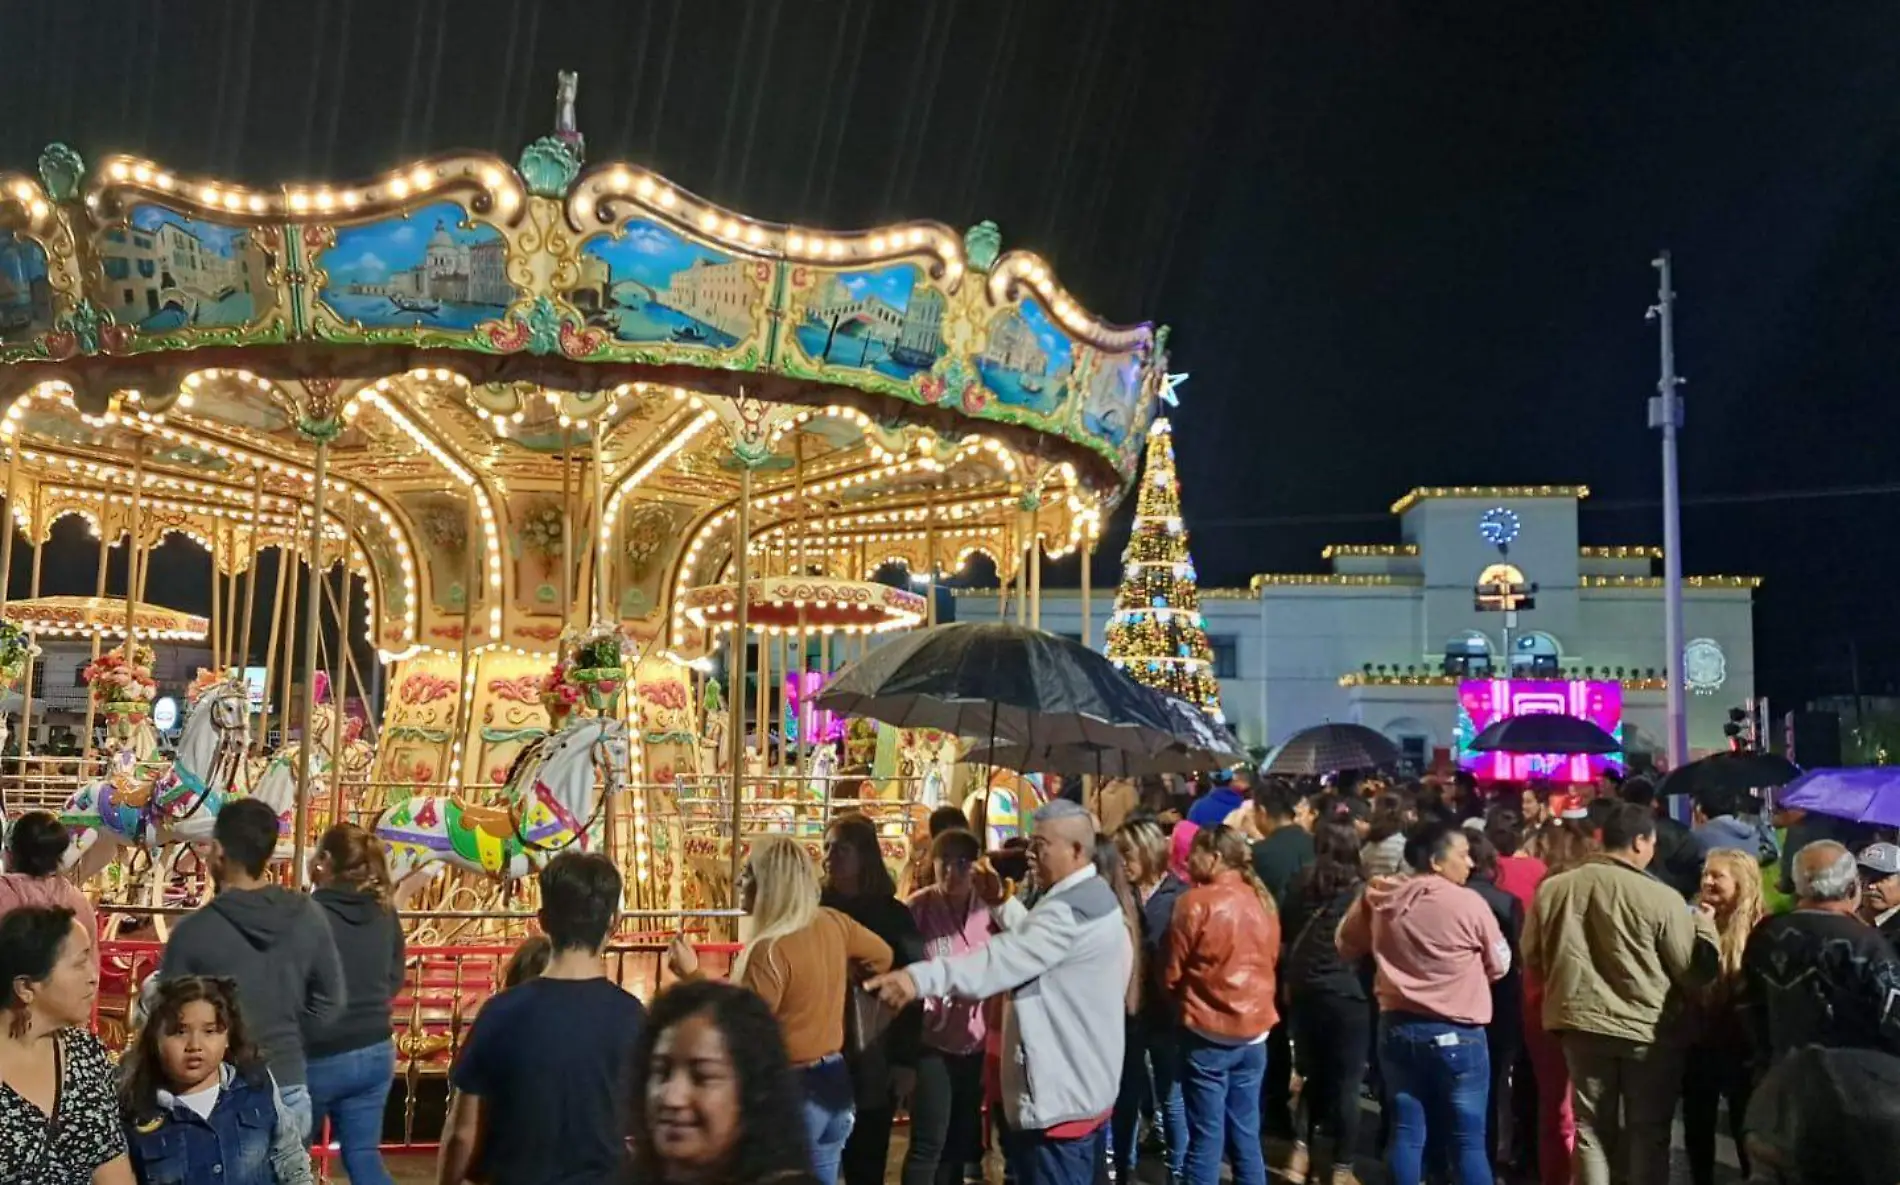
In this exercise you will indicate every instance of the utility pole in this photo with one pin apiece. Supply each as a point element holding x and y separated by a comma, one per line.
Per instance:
<point>1665,412</point>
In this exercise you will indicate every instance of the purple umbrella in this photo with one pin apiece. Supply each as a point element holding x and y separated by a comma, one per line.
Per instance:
<point>1868,794</point>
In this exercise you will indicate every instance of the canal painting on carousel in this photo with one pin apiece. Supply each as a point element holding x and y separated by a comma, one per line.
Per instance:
<point>26,300</point>
<point>431,268</point>
<point>649,284</point>
<point>1027,360</point>
<point>1114,390</point>
<point>166,271</point>
<point>887,320</point>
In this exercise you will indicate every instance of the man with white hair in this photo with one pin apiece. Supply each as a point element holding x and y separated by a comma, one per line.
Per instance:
<point>1821,975</point>
<point>1065,963</point>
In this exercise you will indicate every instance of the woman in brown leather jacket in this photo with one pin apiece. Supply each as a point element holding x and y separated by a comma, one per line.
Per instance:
<point>1222,949</point>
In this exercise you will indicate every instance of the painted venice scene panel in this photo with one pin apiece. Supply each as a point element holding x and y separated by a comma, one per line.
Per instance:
<point>649,284</point>
<point>431,267</point>
<point>1027,361</point>
<point>26,299</point>
<point>165,271</point>
<point>888,320</point>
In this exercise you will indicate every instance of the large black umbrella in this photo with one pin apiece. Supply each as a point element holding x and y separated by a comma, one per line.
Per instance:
<point>1204,744</point>
<point>1550,732</point>
<point>1740,772</point>
<point>1001,682</point>
<point>1329,748</point>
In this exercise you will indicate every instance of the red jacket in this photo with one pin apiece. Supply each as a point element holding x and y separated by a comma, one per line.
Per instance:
<point>1222,950</point>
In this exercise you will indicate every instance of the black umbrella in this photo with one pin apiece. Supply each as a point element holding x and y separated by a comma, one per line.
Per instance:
<point>1550,732</point>
<point>1730,771</point>
<point>1204,744</point>
<point>1001,682</point>
<point>1329,748</point>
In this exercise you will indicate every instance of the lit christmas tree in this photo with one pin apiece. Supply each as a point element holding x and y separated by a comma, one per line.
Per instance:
<point>1157,634</point>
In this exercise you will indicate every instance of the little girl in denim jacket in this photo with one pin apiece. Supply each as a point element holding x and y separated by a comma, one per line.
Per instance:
<point>199,1106</point>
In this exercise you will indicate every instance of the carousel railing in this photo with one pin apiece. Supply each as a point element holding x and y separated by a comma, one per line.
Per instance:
<point>45,783</point>
<point>444,985</point>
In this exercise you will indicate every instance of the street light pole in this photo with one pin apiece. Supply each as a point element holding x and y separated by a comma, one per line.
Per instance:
<point>1665,412</point>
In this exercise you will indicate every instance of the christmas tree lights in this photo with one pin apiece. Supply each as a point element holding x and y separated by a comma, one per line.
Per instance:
<point>1157,633</point>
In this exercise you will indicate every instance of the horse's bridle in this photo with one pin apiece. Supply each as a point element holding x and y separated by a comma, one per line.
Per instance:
<point>517,818</point>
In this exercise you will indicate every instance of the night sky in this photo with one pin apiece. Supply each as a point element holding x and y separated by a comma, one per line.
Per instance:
<point>1400,243</point>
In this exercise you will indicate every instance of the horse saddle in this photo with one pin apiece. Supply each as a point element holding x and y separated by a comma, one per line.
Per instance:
<point>495,820</point>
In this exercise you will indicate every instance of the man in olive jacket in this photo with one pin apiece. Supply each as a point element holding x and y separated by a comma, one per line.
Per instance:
<point>1613,946</point>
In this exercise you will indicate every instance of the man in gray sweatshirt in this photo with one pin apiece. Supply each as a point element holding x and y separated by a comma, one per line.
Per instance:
<point>274,942</point>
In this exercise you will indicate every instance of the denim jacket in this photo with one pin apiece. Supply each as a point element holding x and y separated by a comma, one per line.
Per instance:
<point>250,1138</point>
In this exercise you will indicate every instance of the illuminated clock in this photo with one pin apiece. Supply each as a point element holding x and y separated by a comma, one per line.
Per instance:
<point>1498,525</point>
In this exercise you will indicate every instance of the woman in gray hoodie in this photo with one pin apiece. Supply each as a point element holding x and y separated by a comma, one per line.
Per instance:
<point>353,1059</point>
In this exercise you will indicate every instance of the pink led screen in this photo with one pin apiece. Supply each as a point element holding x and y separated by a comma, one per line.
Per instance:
<point>1483,702</point>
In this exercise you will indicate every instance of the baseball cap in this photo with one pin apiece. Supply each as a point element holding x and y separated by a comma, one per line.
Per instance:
<point>1883,858</point>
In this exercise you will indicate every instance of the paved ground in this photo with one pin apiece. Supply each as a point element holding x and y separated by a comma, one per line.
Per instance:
<point>420,1170</point>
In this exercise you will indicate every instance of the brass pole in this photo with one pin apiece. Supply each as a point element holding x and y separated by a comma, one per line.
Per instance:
<point>217,618</point>
<point>250,579</point>
<point>98,594</point>
<point>601,609</point>
<point>1088,561</point>
<point>284,561</point>
<point>1022,568</point>
<point>288,664</point>
<point>567,529</point>
<point>6,541</point>
<point>339,669</point>
<point>1035,564</point>
<point>742,524</point>
<point>349,657</point>
<point>312,620</point>
<point>930,557</point>
<point>469,572</point>
<point>26,679</point>
<point>132,544</point>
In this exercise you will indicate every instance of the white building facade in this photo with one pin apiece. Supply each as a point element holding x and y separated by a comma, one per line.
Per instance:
<point>1385,637</point>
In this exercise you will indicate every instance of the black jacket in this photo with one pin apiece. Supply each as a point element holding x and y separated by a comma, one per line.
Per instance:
<point>1679,855</point>
<point>369,941</point>
<point>1815,977</point>
<point>889,919</point>
<point>1311,962</point>
<point>1507,994</point>
<point>1157,914</point>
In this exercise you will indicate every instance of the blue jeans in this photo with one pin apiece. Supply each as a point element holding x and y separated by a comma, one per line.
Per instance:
<point>1220,1084</point>
<point>829,1113</point>
<point>350,1089</point>
<point>1151,1066</point>
<point>1437,1084</point>
<point>296,1098</point>
<point>1035,1159</point>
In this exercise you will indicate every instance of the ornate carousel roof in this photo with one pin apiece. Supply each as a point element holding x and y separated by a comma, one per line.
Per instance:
<point>470,348</point>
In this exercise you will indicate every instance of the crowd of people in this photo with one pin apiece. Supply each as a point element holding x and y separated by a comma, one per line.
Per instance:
<point>1253,977</point>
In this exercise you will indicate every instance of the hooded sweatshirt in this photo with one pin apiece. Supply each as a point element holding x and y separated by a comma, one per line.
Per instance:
<point>277,946</point>
<point>369,943</point>
<point>1436,946</point>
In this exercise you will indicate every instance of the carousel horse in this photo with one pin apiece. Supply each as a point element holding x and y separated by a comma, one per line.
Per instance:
<point>555,796</point>
<point>277,782</point>
<point>139,805</point>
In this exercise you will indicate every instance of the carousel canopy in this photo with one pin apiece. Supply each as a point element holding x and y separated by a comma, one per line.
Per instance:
<point>86,617</point>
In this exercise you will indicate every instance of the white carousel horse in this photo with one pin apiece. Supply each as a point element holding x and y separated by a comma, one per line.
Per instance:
<point>135,806</point>
<point>277,783</point>
<point>556,795</point>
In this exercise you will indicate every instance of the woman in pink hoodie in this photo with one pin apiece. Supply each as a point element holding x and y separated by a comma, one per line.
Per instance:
<point>1437,949</point>
<point>35,846</point>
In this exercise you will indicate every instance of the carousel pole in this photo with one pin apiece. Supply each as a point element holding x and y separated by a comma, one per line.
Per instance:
<point>469,575</point>
<point>742,525</point>
<point>26,677</point>
<point>601,608</point>
<point>1088,561</point>
<point>284,560</point>
<point>1022,567</point>
<point>6,558</point>
<point>567,528</point>
<point>801,742</point>
<point>98,595</point>
<point>930,557</point>
<point>230,597</point>
<point>287,667</point>
<point>132,545</point>
<point>339,670</point>
<point>1035,563</point>
<point>250,577</point>
<point>217,619</point>
<point>312,620</point>
<point>355,673</point>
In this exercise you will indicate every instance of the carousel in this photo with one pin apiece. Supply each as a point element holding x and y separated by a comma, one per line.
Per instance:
<point>600,470</point>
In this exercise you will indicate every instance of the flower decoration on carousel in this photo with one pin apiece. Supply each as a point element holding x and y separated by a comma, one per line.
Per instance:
<point>15,649</point>
<point>542,532</point>
<point>123,687</point>
<point>592,671</point>
<point>204,681</point>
